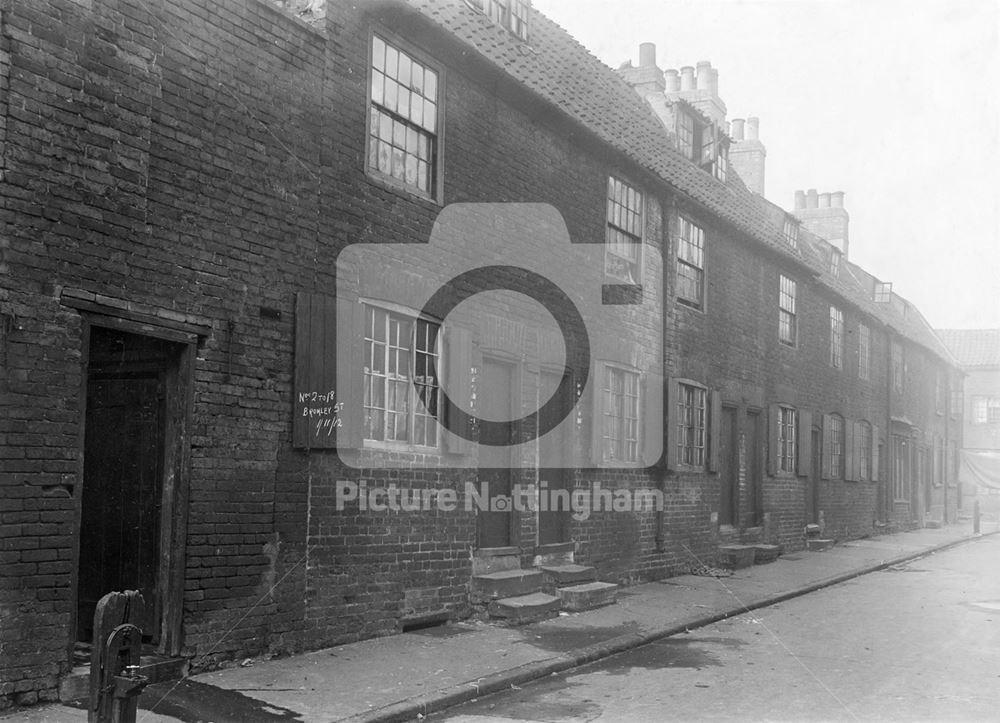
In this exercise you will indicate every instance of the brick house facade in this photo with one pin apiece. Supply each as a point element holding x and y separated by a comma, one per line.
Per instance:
<point>183,184</point>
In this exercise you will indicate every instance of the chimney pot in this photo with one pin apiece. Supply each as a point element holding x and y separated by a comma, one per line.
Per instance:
<point>811,198</point>
<point>837,199</point>
<point>687,78</point>
<point>800,199</point>
<point>713,82</point>
<point>824,200</point>
<point>704,75</point>
<point>672,81</point>
<point>738,129</point>
<point>647,55</point>
<point>753,128</point>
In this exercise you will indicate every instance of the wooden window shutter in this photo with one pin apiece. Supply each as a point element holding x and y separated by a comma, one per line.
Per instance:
<point>652,424</point>
<point>351,318</point>
<point>458,371</point>
<point>804,434</point>
<point>773,426</point>
<point>315,393</point>
<point>715,431</point>
<point>597,414</point>
<point>670,433</point>
<point>827,446</point>
<point>874,453</point>
<point>852,445</point>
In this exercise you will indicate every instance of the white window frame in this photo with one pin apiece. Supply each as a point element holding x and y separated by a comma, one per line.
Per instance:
<point>625,221</point>
<point>415,409</point>
<point>787,447</point>
<point>790,232</point>
<point>787,314</point>
<point>838,430</point>
<point>836,338</point>
<point>691,257</point>
<point>692,425</point>
<point>864,352</point>
<point>621,432</point>
<point>510,14</point>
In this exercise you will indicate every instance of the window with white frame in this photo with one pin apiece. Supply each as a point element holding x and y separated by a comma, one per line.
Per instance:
<point>690,264</point>
<point>403,118</point>
<point>720,165</point>
<point>835,262</point>
<point>401,387</point>
<point>621,415</point>
<point>790,232</point>
<point>511,14</point>
<point>883,292</point>
<point>865,452</point>
<point>787,320</point>
<point>985,410</point>
<point>836,338</point>
<point>623,247</point>
<point>836,451</point>
<point>864,352</point>
<point>686,135</point>
<point>691,425</point>
<point>787,442</point>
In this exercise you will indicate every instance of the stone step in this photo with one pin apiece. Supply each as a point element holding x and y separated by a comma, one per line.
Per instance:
<point>76,685</point>
<point>505,583</point>
<point>736,557</point>
<point>764,553</point>
<point>571,574</point>
<point>588,596</point>
<point>525,608</point>
<point>818,545</point>
<point>932,524</point>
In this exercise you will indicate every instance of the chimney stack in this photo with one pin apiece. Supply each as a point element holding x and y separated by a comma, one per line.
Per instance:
<point>824,215</point>
<point>647,55</point>
<point>747,154</point>
<point>687,78</point>
<point>737,126</point>
<point>647,79</point>
<point>704,75</point>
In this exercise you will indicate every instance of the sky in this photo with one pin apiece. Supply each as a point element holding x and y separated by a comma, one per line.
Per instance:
<point>894,102</point>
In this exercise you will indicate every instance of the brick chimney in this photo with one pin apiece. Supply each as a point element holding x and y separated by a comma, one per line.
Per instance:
<point>747,153</point>
<point>699,85</point>
<point>647,79</point>
<point>824,215</point>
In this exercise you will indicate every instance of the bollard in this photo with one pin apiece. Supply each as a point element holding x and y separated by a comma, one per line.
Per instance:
<point>975,517</point>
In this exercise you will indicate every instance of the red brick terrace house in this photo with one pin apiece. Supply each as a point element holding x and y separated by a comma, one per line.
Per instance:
<point>182,183</point>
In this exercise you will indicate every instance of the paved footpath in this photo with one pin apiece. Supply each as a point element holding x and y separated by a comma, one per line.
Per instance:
<point>399,677</point>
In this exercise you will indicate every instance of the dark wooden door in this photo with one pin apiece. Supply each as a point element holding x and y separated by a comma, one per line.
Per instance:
<point>122,490</point>
<point>554,478</point>
<point>812,483</point>
<point>496,399</point>
<point>755,491</point>
<point>729,468</point>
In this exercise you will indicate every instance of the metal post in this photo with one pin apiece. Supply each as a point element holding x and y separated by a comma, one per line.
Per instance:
<point>975,517</point>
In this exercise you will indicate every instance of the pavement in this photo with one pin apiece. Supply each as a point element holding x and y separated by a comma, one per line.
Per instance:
<point>403,677</point>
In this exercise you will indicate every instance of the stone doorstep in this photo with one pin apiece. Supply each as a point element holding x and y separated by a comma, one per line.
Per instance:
<point>588,596</point>
<point>504,584</point>
<point>736,557</point>
<point>817,545</point>
<point>571,574</point>
<point>932,524</point>
<point>76,685</point>
<point>526,608</point>
<point>764,553</point>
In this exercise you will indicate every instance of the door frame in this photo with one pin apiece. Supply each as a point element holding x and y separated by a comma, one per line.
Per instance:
<point>179,391</point>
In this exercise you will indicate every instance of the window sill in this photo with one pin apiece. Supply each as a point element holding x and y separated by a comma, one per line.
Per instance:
<point>402,189</point>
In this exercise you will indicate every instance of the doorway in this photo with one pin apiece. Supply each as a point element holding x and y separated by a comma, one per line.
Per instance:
<point>497,392</point>
<point>755,492</point>
<point>553,477</point>
<point>729,477</point>
<point>812,482</point>
<point>129,473</point>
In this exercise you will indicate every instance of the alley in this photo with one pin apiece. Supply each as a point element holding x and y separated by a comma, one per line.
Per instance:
<point>919,641</point>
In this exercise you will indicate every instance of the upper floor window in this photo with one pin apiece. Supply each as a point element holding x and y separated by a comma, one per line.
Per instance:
<point>690,264</point>
<point>691,425</point>
<point>836,338</point>
<point>623,250</point>
<point>401,388</point>
<point>865,452</point>
<point>835,262</point>
<point>403,118</point>
<point>985,410</point>
<point>686,142</point>
<point>790,232</point>
<point>511,14</point>
<point>883,292</point>
<point>864,352</point>
<point>621,415</point>
<point>836,446</point>
<point>787,324</point>
<point>787,426</point>
<point>896,362</point>
<point>720,165</point>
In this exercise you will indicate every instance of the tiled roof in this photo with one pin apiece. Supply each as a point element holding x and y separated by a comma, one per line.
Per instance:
<point>562,72</point>
<point>973,347</point>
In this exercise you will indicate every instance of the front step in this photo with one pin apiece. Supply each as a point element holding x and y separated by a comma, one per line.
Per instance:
<point>505,584</point>
<point>736,557</point>
<point>818,545</point>
<point>764,554</point>
<point>158,668</point>
<point>525,608</point>
<point>570,574</point>
<point>588,596</point>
